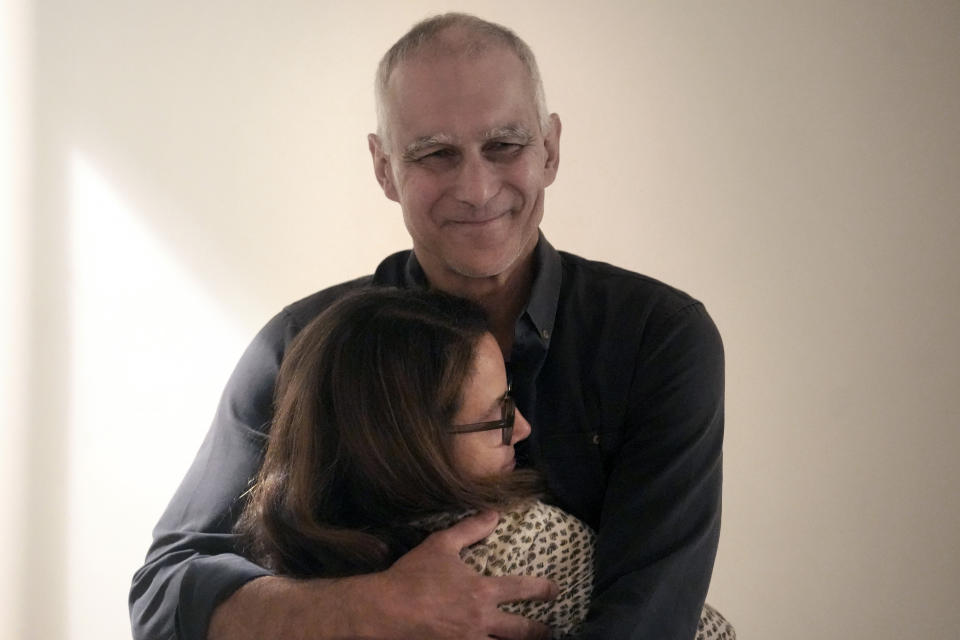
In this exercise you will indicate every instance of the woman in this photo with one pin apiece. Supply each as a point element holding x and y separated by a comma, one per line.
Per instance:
<point>394,419</point>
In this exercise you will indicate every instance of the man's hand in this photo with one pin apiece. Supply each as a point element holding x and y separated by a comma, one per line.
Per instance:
<point>429,593</point>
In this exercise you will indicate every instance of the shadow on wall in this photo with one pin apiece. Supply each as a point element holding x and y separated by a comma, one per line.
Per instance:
<point>125,404</point>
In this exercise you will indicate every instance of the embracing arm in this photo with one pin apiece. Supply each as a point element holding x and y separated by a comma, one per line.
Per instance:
<point>195,581</point>
<point>193,563</point>
<point>660,522</point>
<point>428,593</point>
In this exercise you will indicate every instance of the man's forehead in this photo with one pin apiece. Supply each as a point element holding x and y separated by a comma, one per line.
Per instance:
<point>437,58</point>
<point>456,41</point>
<point>448,101</point>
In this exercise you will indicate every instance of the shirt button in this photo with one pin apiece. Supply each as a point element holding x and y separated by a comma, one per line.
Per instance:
<point>546,334</point>
<point>596,438</point>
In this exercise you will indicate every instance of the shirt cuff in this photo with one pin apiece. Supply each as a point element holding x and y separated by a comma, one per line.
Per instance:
<point>207,582</point>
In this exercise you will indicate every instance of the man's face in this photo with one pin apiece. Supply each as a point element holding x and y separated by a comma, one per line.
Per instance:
<point>467,161</point>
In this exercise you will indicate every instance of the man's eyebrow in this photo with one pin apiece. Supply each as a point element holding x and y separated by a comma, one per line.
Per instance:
<point>511,131</point>
<point>413,149</point>
<point>515,131</point>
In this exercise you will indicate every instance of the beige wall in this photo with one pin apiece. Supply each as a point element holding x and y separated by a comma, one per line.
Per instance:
<point>15,182</point>
<point>196,165</point>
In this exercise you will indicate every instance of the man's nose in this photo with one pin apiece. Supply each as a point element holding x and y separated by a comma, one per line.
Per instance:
<point>521,428</point>
<point>476,181</point>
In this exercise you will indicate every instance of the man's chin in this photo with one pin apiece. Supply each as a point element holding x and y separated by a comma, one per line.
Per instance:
<point>454,269</point>
<point>481,271</point>
<point>485,264</point>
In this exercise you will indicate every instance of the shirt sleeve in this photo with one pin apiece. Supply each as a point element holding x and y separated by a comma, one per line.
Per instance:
<point>660,520</point>
<point>193,563</point>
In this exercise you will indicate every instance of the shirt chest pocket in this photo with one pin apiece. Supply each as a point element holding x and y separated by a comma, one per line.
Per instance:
<point>573,466</point>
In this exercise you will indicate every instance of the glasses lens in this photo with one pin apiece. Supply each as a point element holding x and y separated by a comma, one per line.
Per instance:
<point>509,413</point>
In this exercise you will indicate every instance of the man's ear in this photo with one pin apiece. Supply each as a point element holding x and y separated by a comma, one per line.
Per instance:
<point>551,141</point>
<point>381,167</point>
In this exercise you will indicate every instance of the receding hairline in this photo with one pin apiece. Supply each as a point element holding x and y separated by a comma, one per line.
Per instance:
<point>455,34</point>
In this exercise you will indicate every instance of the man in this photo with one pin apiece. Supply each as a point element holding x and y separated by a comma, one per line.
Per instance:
<point>620,376</point>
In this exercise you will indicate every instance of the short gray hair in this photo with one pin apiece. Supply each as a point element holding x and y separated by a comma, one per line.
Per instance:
<point>481,35</point>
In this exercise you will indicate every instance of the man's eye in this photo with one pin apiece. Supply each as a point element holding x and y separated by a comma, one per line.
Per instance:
<point>504,148</point>
<point>439,154</point>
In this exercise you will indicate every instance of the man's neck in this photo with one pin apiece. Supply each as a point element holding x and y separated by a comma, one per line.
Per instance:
<point>503,297</point>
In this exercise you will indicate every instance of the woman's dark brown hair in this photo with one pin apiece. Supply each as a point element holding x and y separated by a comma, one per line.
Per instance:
<point>360,445</point>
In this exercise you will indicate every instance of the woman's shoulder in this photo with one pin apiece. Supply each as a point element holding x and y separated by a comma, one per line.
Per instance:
<point>547,521</point>
<point>531,540</point>
<point>544,541</point>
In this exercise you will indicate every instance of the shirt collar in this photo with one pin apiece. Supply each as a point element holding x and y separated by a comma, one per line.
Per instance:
<point>413,274</point>
<point>402,270</point>
<point>545,292</point>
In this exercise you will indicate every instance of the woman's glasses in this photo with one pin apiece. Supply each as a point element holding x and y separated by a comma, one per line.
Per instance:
<point>508,411</point>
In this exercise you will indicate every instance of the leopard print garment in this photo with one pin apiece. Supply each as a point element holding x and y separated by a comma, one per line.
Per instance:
<point>713,626</point>
<point>537,540</point>
<point>544,541</point>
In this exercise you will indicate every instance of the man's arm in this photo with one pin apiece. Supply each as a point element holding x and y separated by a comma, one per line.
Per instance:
<point>194,566</point>
<point>193,563</point>
<point>660,521</point>
<point>428,593</point>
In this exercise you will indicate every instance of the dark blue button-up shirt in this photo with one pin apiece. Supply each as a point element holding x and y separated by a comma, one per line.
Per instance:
<point>621,377</point>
